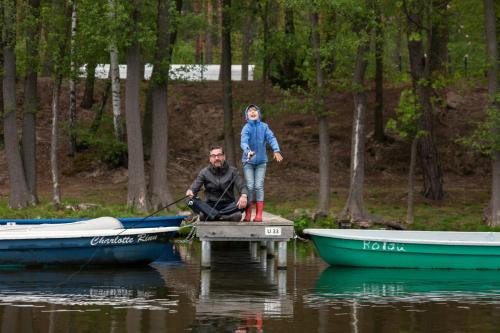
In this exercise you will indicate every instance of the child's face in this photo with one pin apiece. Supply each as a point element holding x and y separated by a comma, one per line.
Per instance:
<point>253,114</point>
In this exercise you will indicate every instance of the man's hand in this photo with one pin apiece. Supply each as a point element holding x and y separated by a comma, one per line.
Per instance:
<point>189,193</point>
<point>278,157</point>
<point>242,201</point>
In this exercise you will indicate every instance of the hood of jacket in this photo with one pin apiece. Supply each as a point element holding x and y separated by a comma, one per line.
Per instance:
<point>245,114</point>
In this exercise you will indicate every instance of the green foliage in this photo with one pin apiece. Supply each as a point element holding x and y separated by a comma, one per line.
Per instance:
<point>486,135</point>
<point>300,101</point>
<point>407,114</point>
<point>302,221</point>
<point>103,145</point>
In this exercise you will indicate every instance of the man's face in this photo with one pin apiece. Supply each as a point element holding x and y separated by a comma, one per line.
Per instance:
<point>217,157</point>
<point>253,114</point>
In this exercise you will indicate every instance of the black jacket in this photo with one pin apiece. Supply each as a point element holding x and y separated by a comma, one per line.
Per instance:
<point>216,180</point>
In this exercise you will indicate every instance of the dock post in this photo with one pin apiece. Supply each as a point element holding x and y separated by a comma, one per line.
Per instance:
<point>270,248</point>
<point>271,265</point>
<point>263,259</point>
<point>254,250</point>
<point>281,255</point>
<point>205,283</point>
<point>205,254</point>
<point>281,283</point>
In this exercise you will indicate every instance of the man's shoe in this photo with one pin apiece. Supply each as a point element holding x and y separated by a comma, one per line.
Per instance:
<point>234,217</point>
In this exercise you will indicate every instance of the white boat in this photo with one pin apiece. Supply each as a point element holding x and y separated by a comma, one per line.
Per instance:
<point>91,242</point>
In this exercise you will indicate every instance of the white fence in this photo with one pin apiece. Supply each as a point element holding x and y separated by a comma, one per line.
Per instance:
<point>178,72</point>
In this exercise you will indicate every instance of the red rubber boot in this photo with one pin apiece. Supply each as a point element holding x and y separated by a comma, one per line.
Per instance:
<point>258,211</point>
<point>248,213</point>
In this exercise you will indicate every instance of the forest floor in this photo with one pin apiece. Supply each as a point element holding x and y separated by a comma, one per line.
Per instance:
<point>196,120</point>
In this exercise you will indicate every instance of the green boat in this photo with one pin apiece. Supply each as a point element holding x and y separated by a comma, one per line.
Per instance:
<point>408,249</point>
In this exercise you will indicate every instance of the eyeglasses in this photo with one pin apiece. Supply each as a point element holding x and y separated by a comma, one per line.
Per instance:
<point>216,155</point>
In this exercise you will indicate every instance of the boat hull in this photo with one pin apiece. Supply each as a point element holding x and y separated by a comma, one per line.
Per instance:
<point>399,253</point>
<point>101,247</point>
<point>128,222</point>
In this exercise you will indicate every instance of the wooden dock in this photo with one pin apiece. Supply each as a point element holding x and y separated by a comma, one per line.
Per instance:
<point>273,229</point>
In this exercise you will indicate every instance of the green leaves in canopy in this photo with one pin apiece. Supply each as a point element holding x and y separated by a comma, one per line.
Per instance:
<point>486,135</point>
<point>408,111</point>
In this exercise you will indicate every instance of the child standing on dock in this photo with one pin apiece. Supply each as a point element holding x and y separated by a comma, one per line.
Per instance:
<point>254,136</point>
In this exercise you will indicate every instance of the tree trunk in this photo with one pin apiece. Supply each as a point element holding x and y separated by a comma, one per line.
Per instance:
<point>378,132</point>
<point>72,86</point>
<point>324,135</point>
<point>88,95</point>
<point>429,157</point>
<point>198,42</point>
<point>147,119</point>
<point>159,186</point>
<point>438,59</point>
<point>31,97</point>
<point>493,89</point>
<point>354,209</point>
<point>54,143</point>
<point>247,39</point>
<point>266,60</point>
<point>96,123</point>
<point>136,178</point>
<point>411,182</point>
<point>227,101</point>
<point>115,83</point>
<point>46,56</point>
<point>289,70</point>
<point>329,32</point>
<point>19,196</point>
<point>208,33</point>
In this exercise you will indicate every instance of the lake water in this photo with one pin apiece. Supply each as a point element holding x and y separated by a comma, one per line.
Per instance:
<point>242,293</point>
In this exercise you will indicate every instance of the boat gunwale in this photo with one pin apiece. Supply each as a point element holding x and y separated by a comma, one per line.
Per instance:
<point>329,233</point>
<point>9,235</point>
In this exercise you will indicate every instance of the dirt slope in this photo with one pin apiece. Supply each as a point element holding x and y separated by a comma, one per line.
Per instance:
<point>196,116</point>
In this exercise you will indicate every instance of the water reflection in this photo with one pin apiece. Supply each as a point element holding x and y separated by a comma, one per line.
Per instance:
<point>244,292</point>
<point>251,287</point>
<point>409,285</point>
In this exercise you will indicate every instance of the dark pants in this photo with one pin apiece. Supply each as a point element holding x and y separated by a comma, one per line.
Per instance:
<point>210,211</point>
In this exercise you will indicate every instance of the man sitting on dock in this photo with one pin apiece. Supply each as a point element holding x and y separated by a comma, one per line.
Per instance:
<point>219,180</point>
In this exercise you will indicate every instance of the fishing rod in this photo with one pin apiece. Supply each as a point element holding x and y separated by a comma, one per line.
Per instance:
<point>164,207</point>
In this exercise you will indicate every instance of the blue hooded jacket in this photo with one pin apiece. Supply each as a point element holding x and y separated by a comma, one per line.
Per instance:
<point>254,136</point>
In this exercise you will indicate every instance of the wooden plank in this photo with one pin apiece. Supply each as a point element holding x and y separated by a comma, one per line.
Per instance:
<point>236,231</point>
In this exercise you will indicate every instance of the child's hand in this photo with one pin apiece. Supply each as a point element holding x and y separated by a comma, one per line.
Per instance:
<point>278,157</point>
<point>250,155</point>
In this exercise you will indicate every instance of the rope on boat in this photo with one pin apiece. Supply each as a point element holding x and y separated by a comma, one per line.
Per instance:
<point>295,236</point>
<point>189,238</point>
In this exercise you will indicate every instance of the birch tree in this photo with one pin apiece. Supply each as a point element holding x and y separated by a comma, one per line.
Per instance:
<point>19,195</point>
<point>72,83</point>
<point>354,209</point>
<point>58,21</point>
<point>115,76</point>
